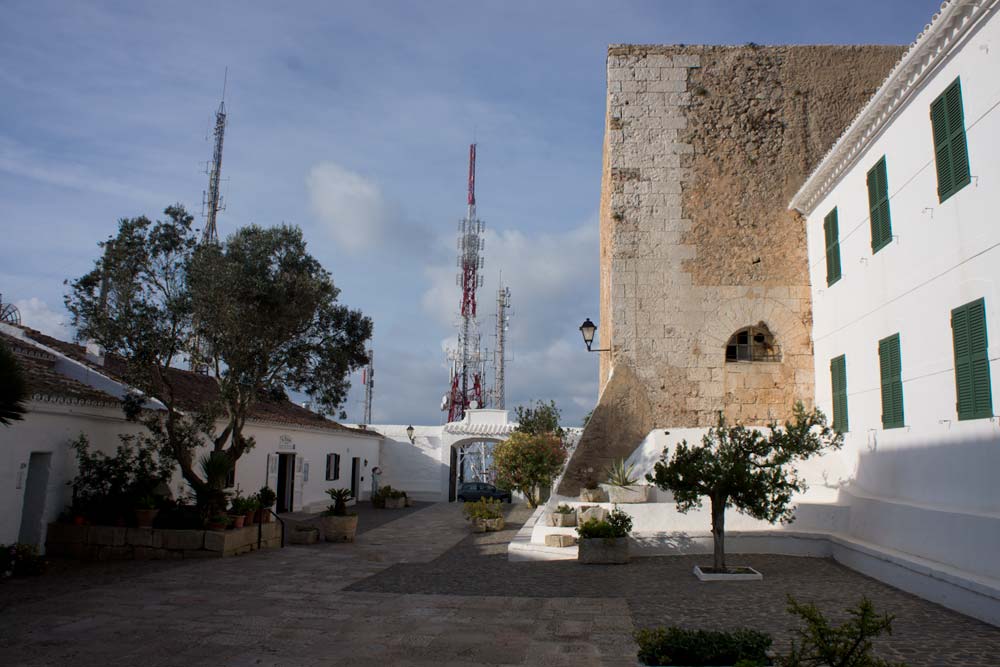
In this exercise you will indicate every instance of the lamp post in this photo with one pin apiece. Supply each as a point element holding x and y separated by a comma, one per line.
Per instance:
<point>588,329</point>
<point>409,433</point>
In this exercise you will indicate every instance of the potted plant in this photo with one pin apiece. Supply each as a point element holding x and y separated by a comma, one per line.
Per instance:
<point>486,514</point>
<point>391,499</point>
<point>252,505</point>
<point>592,492</point>
<point>563,516</point>
<point>146,511</point>
<point>238,510</point>
<point>605,541</point>
<point>217,522</point>
<point>623,486</point>
<point>338,525</point>
<point>267,498</point>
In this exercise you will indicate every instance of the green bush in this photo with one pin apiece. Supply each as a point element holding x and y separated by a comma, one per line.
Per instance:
<point>484,508</point>
<point>389,492</point>
<point>564,509</point>
<point>695,648</point>
<point>846,645</point>
<point>618,524</point>
<point>19,560</point>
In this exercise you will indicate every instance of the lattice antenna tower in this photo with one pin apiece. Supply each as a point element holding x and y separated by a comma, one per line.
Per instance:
<point>467,374</point>
<point>9,314</point>
<point>499,354</point>
<point>212,203</point>
<point>368,379</point>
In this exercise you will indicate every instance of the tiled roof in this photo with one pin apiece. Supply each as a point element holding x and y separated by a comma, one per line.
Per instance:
<point>194,389</point>
<point>47,384</point>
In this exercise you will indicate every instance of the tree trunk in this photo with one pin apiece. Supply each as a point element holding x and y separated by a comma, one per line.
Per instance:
<point>719,533</point>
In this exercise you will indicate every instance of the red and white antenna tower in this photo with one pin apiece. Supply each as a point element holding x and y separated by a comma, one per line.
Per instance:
<point>467,363</point>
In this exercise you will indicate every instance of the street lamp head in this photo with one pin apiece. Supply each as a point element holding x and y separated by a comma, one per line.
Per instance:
<point>588,329</point>
<point>409,432</point>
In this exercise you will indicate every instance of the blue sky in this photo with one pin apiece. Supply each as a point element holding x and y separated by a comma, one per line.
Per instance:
<point>352,120</point>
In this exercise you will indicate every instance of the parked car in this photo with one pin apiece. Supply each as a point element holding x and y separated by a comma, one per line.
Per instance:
<point>472,491</point>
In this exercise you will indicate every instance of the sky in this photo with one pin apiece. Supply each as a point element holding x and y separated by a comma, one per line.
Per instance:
<point>352,120</point>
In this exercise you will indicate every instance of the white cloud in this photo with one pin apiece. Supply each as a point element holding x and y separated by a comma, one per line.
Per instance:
<point>36,314</point>
<point>350,207</point>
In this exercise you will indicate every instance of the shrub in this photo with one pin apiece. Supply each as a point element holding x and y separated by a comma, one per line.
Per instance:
<point>484,508</point>
<point>618,524</point>
<point>389,492</point>
<point>267,497</point>
<point>19,560</point>
<point>339,498</point>
<point>676,646</point>
<point>526,461</point>
<point>847,645</point>
<point>621,475</point>
<point>564,509</point>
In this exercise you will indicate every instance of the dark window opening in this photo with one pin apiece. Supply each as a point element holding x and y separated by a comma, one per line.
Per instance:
<point>332,467</point>
<point>754,343</point>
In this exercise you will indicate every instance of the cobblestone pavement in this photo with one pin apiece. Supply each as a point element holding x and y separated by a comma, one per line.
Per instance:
<point>421,590</point>
<point>369,518</point>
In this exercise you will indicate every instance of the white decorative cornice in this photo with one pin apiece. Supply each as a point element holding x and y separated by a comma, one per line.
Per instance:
<point>947,29</point>
<point>465,428</point>
<point>75,400</point>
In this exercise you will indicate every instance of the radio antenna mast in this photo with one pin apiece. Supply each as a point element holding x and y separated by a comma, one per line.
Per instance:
<point>212,199</point>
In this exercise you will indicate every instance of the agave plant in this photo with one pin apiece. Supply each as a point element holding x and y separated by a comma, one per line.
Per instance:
<point>621,475</point>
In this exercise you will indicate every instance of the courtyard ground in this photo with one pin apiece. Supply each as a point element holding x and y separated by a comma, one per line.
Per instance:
<point>421,590</point>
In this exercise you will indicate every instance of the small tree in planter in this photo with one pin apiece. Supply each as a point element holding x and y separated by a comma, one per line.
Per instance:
<point>338,525</point>
<point>605,541</point>
<point>528,461</point>
<point>743,468</point>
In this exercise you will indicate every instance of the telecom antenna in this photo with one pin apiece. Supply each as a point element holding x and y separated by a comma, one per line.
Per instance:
<point>212,203</point>
<point>467,359</point>
<point>503,305</point>
<point>368,380</point>
<point>9,314</point>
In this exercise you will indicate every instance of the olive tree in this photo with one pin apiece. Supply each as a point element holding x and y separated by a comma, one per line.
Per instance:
<point>13,388</point>
<point>744,469</point>
<point>540,418</point>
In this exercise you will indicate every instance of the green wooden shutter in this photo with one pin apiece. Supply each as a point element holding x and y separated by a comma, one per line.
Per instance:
<point>972,364</point>
<point>838,378</point>
<point>890,370</point>
<point>878,206</point>
<point>951,151</point>
<point>832,233</point>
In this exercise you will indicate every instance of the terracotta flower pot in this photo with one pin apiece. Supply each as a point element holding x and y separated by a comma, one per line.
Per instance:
<point>249,518</point>
<point>237,520</point>
<point>144,518</point>
<point>215,526</point>
<point>265,515</point>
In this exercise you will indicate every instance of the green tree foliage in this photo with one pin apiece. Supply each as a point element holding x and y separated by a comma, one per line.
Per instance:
<point>527,461</point>
<point>743,468</point>
<point>268,314</point>
<point>263,313</point>
<point>846,645</point>
<point>13,388</point>
<point>540,418</point>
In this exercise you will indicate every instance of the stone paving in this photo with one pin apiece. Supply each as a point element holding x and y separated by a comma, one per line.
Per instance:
<point>421,590</point>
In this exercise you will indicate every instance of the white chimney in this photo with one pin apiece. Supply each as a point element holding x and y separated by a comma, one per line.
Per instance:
<point>94,352</point>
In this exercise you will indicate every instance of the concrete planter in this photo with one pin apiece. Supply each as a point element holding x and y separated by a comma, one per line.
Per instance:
<point>628,494</point>
<point>395,503</point>
<point>487,525</point>
<point>603,550</point>
<point>561,520</point>
<point>340,528</point>
<point>308,536</point>
<point>743,574</point>
<point>116,543</point>
<point>585,514</point>
<point>593,495</point>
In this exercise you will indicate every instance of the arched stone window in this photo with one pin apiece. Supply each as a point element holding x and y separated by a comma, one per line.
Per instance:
<point>754,343</point>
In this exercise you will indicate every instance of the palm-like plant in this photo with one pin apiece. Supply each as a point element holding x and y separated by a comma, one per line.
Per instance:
<point>13,388</point>
<point>340,498</point>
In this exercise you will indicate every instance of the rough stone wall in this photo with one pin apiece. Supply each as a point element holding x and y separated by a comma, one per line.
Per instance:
<point>704,147</point>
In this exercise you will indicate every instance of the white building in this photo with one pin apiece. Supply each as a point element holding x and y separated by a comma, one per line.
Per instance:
<point>297,453</point>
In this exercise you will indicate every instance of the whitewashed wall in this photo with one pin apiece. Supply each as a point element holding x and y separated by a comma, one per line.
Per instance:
<point>930,487</point>
<point>49,427</point>
<point>420,468</point>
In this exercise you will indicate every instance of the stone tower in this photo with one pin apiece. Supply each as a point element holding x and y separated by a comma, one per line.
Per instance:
<point>705,299</point>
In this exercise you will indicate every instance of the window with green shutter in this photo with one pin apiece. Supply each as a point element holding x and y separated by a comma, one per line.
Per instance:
<point>951,151</point>
<point>832,233</point>
<point>878,206</point>
<point>838,377</point>
<point>972,364</point>
<point>891,372</point>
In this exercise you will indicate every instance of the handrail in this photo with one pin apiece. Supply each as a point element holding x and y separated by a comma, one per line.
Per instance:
<point>260,527</point>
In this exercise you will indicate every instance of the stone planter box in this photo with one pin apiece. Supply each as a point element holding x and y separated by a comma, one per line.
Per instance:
<point>395,503</point>
<point>115,543</point>
<point>631,494</point>
<point>585,514</point>
<point>743,573</point>
<point>339,528</point>
<point>487,525</point>
<point>603,550</point>
<point>561,520</point>
<point>307,536</point>
<point>593,495</point>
